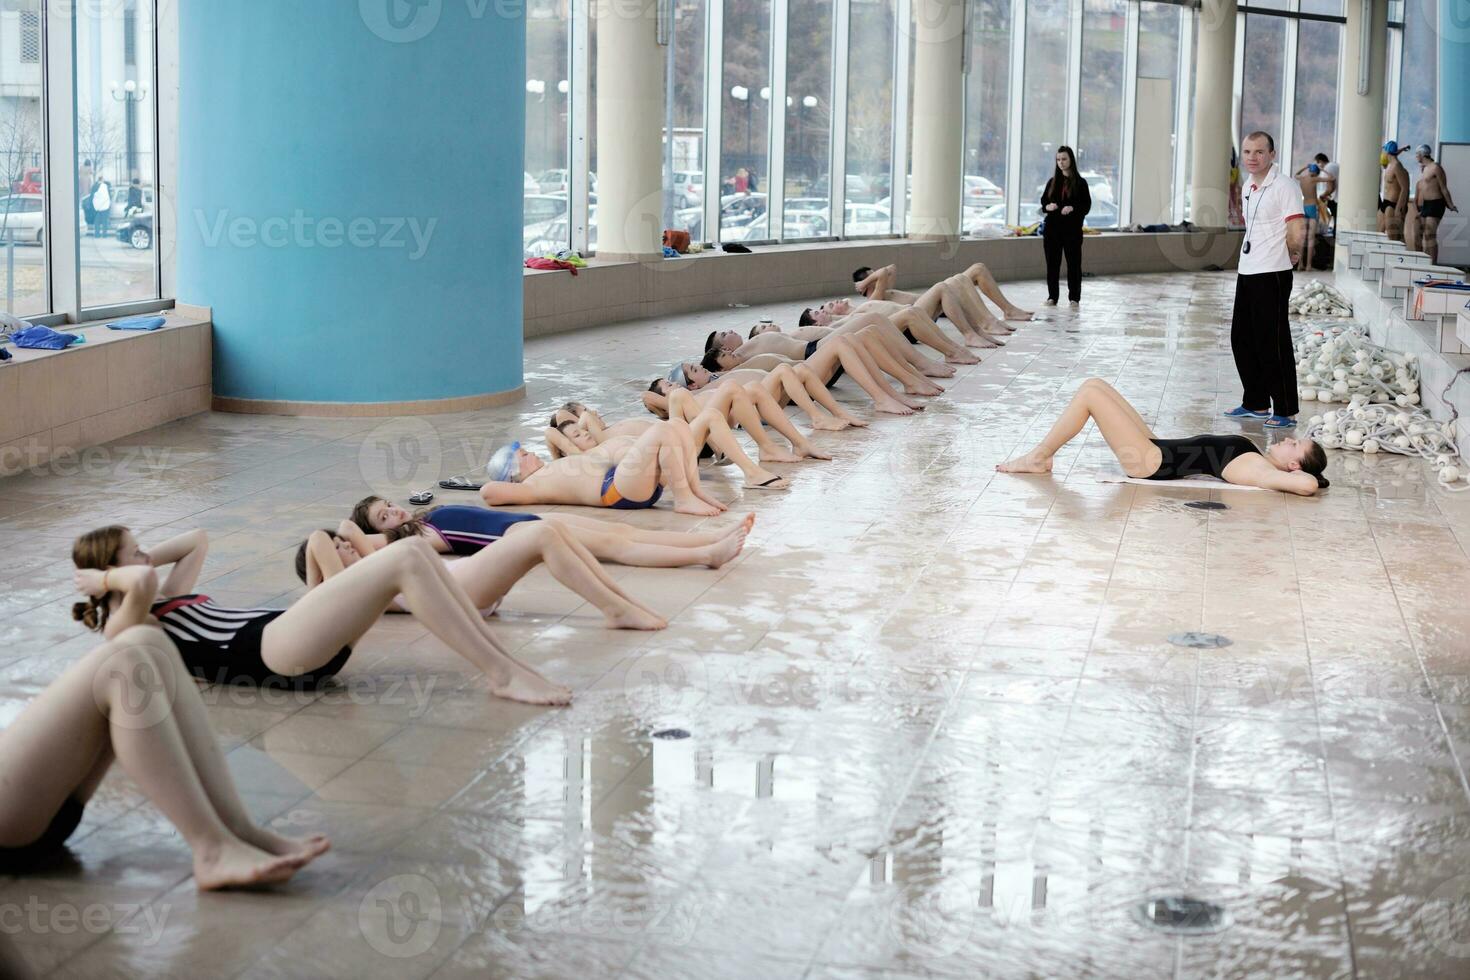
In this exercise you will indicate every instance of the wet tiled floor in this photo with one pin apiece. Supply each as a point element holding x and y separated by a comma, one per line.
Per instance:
<point>935,727</point>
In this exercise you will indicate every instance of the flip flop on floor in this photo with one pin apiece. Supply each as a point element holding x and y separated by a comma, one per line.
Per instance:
<point>461,483</point>
<point>770,484</point>
<point>1280,422</point>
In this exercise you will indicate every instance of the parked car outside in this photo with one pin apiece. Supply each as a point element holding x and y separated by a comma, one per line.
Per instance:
<point>138,232</point>
<point>23,219</point>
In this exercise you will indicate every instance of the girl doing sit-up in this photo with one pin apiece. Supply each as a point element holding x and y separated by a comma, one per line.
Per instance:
<point>131,700</point>
<point>622,473</point>
<point>301,645</point>
<point>458,530</point>
<point>1291,465</point>
<point>767,393</point>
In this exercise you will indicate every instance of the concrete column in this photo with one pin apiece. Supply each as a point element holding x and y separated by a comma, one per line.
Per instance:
<point>1454,80</point>
<point>1209,180</point>
<point>1360,118</point>
<point>938,117</point>
<point>630,113</point>
<point>349,202</point>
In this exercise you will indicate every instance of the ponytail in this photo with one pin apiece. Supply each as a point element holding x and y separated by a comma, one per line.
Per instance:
<point>96,549</point>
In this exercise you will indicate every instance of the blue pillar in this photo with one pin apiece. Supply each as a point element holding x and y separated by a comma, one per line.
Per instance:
<point>1454,74</point>
<point>349,198</point>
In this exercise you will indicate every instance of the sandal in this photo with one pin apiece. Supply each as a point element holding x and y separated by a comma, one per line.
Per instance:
<point>461,483</point>
<point>1280,422</point>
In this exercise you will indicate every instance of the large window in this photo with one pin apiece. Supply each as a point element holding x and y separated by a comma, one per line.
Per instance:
<point>1263,80</point>
<point>1418,91</point>
<point>547,176</point>
<point>1044,119</point>
<point>1100,124</point>
<point>115,154</point>
<point>1155,113</point>
<point>870,77</point>
<point>23,208</point>
<point>987,115</point>
<point>747,115</point>
<point>684,121</point>
<point>809,120</point>
<point>1314,121</point>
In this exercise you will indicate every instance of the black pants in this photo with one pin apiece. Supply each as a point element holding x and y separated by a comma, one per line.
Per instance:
<point>1055,246</point>
<point>1260,336</point>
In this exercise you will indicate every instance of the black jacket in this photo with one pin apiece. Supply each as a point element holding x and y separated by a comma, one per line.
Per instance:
<point>1067,225</point>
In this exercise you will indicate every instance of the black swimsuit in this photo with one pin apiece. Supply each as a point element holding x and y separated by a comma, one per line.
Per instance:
<point>1200,456</point>
<point>222,646</point>
<point>62,826</point>
<point>811,348</point>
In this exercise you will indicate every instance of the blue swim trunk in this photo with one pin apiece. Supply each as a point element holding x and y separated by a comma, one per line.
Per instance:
<point>1310,210</point>
<point>611,497</point>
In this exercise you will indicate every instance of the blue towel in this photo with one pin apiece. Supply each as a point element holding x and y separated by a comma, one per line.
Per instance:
<point>145,322</point>
<point>44,338</point>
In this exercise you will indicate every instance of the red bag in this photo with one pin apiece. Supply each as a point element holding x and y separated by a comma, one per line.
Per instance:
<point>676,240</point>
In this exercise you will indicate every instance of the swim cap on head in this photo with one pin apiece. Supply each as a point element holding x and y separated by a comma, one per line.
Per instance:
<point>502,465</point>
<point>1391,148</point>
<point>1424,150</point>
<point>676,375</point>
<point>1313,169</point>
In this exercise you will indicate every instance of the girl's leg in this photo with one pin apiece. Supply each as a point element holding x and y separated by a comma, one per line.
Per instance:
<point>489,574</point>
<point>872,345</point>
<point>745,413</point>
<point>817,392</point>
<point>660,457</point>
<point>338,612</point>
<point>711,428</point>
<point>1125,433</point>
<point>690,447</point>
<point>638,535</point>
<point>886,329</point>
<point>927,332</point>
<point>607,543</point>
<point>985,282</point>
<point>785,381</point>
<point>123,699</point>
<point>841,350</point>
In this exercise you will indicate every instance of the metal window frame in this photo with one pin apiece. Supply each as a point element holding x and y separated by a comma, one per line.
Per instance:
<point>1181,112</point>
<point>898,167</point>
<point>1074,69</point>
<point>1287,137</point>
<point>1128,138</point>
<point>776,123</point>
<point>1013,122</point>
<point>714,106</point>
<point>579,160</point>
<point>837,145</point>
<point>59,159</point>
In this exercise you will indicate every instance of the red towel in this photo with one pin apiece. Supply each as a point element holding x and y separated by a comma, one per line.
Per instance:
<point>552,264</point>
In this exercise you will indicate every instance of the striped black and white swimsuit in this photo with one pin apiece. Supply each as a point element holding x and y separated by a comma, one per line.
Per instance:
<point>221,645</point>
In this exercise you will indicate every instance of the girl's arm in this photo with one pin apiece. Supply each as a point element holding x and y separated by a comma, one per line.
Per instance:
<point>560,445</point>
<point>499,494</point>
<point>136,584</point>
<point>322,560</point>
<point>186,553</point>
<point>365,543</point>
<point>656,404</point>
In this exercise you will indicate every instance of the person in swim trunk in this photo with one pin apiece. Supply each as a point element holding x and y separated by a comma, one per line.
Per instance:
<point>915,327</point>
<point>621,474</point>
<point>377,522</point>
<point>488,574</point>
<point>1310,178</point>
<point>131,701</point>
<point>880,336</point>
<point>749,398</point>
<point>310,641</point>
<point>1431,197</point>
<point>1290,465</point>
<point>1393,205</point>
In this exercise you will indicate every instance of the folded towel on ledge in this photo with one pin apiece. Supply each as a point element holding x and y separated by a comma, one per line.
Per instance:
<point>146,322</point>
<point>44,338</point>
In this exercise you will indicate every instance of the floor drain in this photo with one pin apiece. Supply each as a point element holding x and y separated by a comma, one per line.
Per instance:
<point>671,733</point>
<point>1181,915</point>
<point>1200,640</point>
<point>1207,505</point>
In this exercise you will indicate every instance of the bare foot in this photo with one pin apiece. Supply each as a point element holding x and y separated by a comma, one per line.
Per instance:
<point>830,424</point>
<point>853,420</point>
<point>980,342</point>
<point>890,407</point>
<point>529,687</point>
<point>272,843</point>
<point>725,550</point>
<point>938,371</point>
<point>916,406</point>
<point>963,357</point>
<point>634,618</point>
<point>695,508</point>
<point>1030,463</point>
<point>779,456</point>
<point>236,864</point>
<point>1016,313</point>
<point>808,451</point>
<point>925,391</point>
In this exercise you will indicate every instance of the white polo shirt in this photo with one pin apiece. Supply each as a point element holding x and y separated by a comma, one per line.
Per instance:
<point>1267,208</point>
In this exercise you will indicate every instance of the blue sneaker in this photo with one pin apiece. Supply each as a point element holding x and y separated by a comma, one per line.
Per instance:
<point>1245,413</point>
<point>1280,422</point>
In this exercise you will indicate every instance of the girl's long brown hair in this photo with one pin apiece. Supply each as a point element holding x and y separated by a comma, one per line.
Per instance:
<point>1060,182</point>
<point>361,516</point>
<point>96,549</point>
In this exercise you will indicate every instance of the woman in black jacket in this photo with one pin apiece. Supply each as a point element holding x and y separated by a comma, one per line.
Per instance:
<point>1066,202</point>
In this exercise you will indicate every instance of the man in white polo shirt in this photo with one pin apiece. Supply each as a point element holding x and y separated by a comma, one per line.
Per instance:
<point>1260,333</point>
